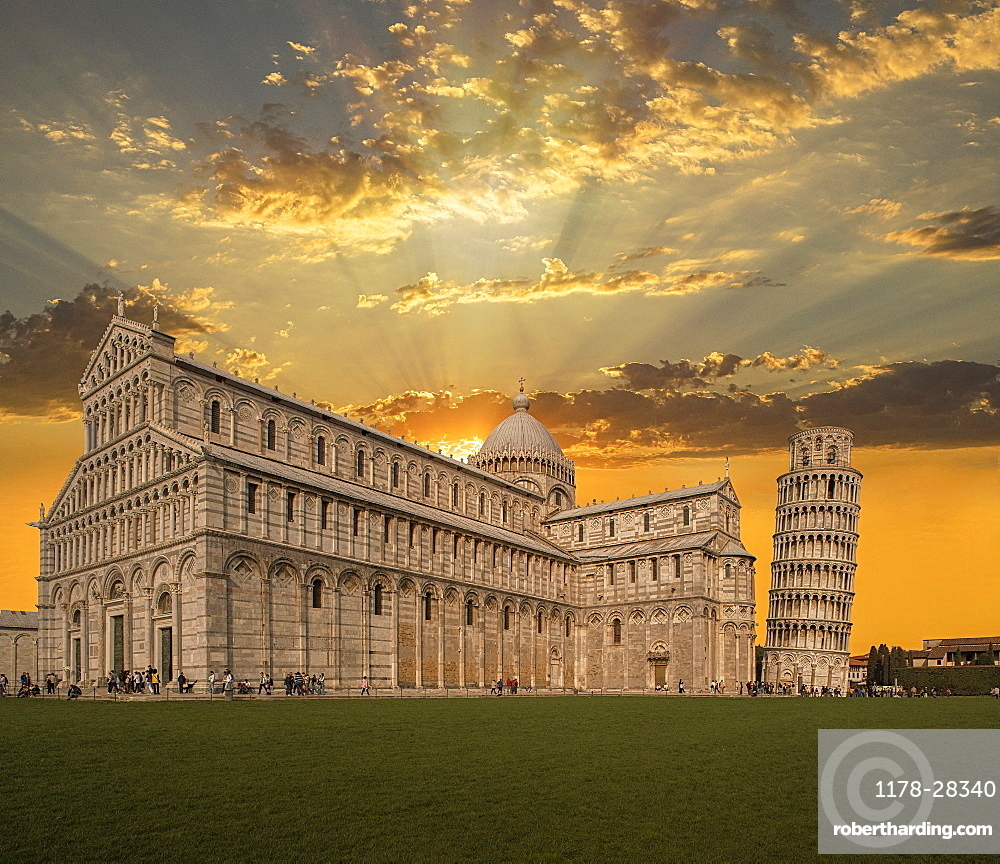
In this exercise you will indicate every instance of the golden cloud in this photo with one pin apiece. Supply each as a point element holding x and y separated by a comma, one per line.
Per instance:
<point>456,124</point>
<point>432,295</point>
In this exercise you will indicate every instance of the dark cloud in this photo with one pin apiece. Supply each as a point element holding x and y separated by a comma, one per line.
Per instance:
<point>949,403</point>
<point>926,405</point>
<point>685,373</point>
<point>42,356</point>
<point>969,235</point>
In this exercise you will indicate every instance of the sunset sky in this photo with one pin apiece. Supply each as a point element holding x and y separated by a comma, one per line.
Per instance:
<point>693,226</point>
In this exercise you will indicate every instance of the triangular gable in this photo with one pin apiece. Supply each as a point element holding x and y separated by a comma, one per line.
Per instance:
<point>157,434</point>
<point>102,363</point>
<point>729,492</point>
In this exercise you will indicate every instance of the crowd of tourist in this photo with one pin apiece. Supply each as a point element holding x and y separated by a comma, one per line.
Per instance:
<point>134,681</point>
<point>138,682</point>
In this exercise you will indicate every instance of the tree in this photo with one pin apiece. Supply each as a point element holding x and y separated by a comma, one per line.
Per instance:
<point>873,675</point>
<point>988,658</point>
<point>884,665</point>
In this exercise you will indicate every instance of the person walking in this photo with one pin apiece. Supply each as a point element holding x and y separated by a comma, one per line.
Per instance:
<point>680,685</point>
<point>211,681</point>
<point>262,687</point>
<point>364,686</point>
<point>321,684</point>
<point>181,682</point>
<point>499,686</point>
<point>4,684</point>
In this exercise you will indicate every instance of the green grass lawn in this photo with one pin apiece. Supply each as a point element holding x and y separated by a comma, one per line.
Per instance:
<point>511,779</point>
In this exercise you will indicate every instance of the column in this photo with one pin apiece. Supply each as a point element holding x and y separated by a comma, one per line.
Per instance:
<point>175,614</point>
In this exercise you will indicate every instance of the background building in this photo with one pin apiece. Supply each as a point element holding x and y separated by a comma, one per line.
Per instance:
<point>958,651</point>
<point>213,522</point>
<point>812,575</point>
<point>18,645</point>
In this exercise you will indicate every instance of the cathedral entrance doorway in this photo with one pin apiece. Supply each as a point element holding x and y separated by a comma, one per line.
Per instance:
<point>555,670</point>
<point>658,658</point>
<point>166,654</point>
<point>659,673</point>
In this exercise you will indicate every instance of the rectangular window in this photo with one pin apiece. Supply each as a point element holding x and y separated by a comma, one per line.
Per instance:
<point>356,522</point>
<point>631,571</point>
<point>386,528</point>
<point>290,506</point>
<point>579,532</point>
<point>611,574</point>
<point>251,497</point>
<point>654,570</point>
<point>324,514</point>
<point>413,535</point>
<point>611,527</point>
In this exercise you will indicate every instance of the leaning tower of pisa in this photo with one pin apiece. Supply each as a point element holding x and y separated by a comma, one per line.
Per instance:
<point>812,577</point>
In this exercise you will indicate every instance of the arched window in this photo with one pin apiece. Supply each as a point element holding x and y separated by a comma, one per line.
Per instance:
<point>395,474</point>
<point>427,485</point>
<point>482,503</point>
<point>687,515</point>
<point>645,522</point>
<point>831,456</point>
<point>215,422</point>
<point>558,498</point>
<point>321,450</point>
<point>360,463</point>
<point>454,548</point>
<point>76,618</point>
<point>616,631</point>
<point>729,571</point>
<point>506,617</point>
<point>503,511</point>
<point>428,600</point>
<point>568,625</point>
<point>469,613</point>
<point>164,604</point>
<point>677,566</point>
<point>831,488</point>
<point>454,494</point>
<point>539,624</point>
<point>271,430</point>
<point>579,532</point>
<point>377,600</point>
<point>317,593</point>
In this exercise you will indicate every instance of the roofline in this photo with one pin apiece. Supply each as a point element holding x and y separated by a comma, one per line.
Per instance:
<point>276,395</point>
<point>639,501</point>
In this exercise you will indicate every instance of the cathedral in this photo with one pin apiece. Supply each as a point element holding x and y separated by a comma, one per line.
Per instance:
<point>214,523</point>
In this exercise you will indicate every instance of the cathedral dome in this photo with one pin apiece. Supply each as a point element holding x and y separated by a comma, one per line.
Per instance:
<point>520,433</point>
